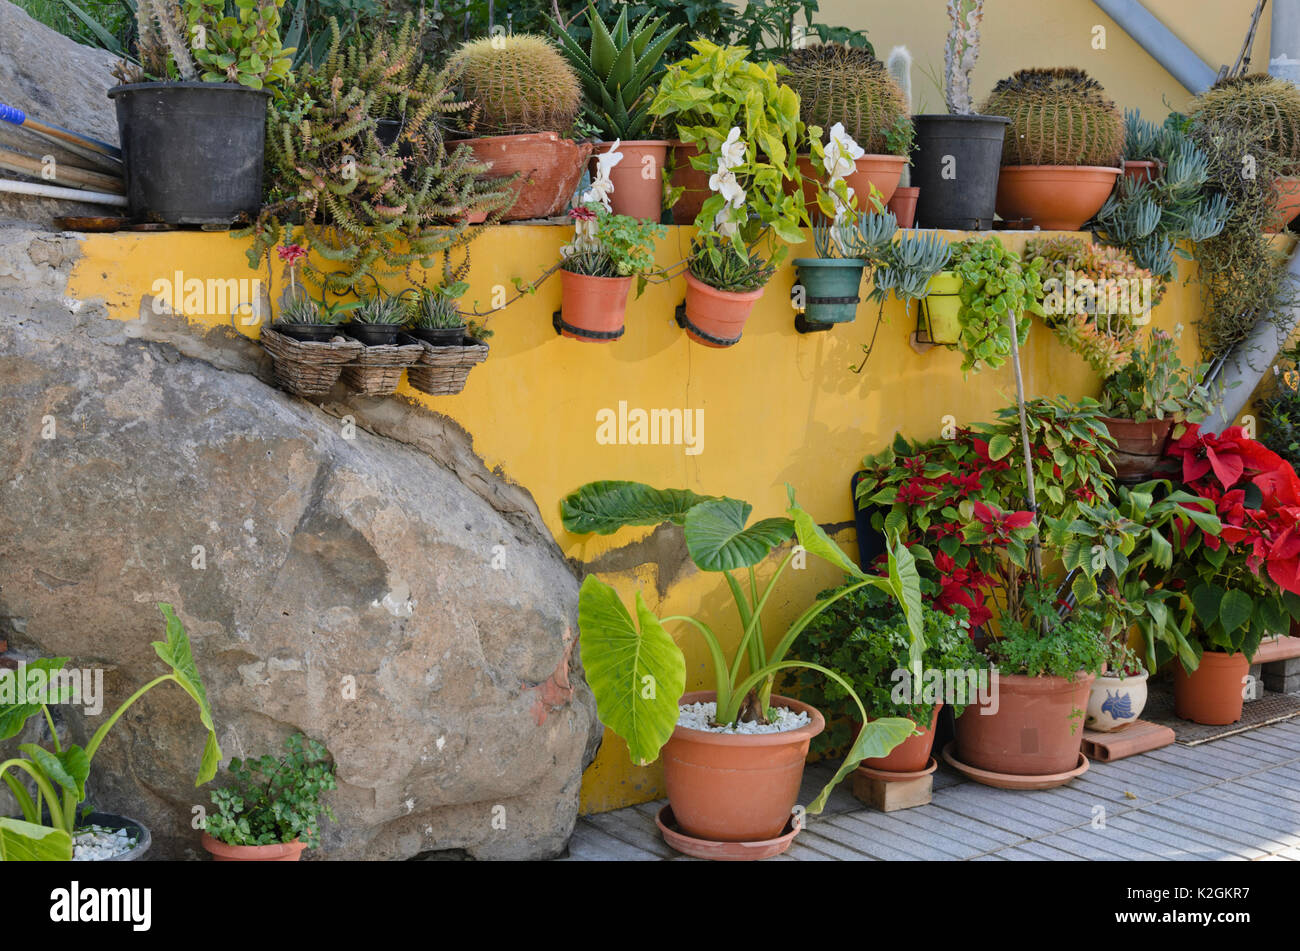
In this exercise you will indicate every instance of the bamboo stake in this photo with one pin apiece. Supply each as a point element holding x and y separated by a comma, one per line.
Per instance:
<point>20,118</point>
<point>62,174</point>
<point>1034,550</point>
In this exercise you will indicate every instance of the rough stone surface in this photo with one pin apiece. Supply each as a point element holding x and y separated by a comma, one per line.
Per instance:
<point>59,81</point>
<point>327,561</point>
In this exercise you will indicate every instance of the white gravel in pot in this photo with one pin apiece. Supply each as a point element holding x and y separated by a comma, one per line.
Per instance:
<point>699,716</point>
<point>96,843</point>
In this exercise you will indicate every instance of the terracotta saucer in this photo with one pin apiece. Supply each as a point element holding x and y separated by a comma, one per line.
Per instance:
<point>1012,780</point>
<point>889,776</point>
<point>721,851</point>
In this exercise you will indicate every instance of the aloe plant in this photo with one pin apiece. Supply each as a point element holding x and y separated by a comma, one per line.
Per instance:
<point>59,775</point>
<point>616,71</point>
<point>638,673</point>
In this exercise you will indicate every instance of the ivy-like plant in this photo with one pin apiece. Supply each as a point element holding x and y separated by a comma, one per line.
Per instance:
<point>995,283</point>
<point>621,655</point>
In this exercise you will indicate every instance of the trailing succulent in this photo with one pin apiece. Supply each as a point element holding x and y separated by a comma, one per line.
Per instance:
<point>368,208</point>
<point>516,84</point>
<point>618,70</point>
<point>1059,116</point>
<point>1151,218</point>
<point>1260,101</point>
<point>849,85</point>
<point>995,283</point>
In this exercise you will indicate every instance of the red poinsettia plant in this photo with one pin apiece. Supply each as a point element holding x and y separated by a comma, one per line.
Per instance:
<point>961,503</point>
<point>1244,583</point>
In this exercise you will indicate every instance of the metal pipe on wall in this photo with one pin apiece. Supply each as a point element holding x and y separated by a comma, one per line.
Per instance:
<point>1157,39</point>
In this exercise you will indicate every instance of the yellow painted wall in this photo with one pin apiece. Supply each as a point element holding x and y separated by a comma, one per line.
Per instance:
<point>1017,34</point>
<point>778,407</point>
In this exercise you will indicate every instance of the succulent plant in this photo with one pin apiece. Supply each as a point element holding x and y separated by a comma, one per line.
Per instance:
<point>380,308</point>
<point>1059,116</point>
<point>518,84</point>
<point>848,85</point>
<point>300,310</point>
<point>960,52</point>
<point>616,71</point>
<point>1258,101</point>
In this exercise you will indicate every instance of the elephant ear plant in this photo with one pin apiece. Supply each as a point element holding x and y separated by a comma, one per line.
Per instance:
<point>59,775</point>
<point>637,672</point>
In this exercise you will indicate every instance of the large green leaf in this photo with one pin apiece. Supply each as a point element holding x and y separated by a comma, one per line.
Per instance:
<point>815,541</point>
<point>877,738</point>
<point>1235,610</point>
<point>177,654</point>
<point>606,506</point>
<point>636,676</point>
<point>27,842</point>
<point>14,715</point>
<point>718,540</point>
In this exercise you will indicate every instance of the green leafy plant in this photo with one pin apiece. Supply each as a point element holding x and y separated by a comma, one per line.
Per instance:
<point>771,28</point>
<point>1120,551</point>
<point>619,653</point>
<point>617,246</point>
<point>995,283</point>
<point>862,636</point>
<point>745,125</point>
<point>201,39</point>
<point>1040,642</point>
<point>618,70</point>
<point>274,800</point>
<point>1155,384</point>
<point>728,270</point>
<point>1279,408</point>
<point>58,776</point>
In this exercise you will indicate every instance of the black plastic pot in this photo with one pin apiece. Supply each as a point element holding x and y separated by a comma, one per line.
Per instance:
<point>192,151</point>
<point>374,335</point>
<point>440,336</point>
<point>955,164</point>
<point>318,333</point>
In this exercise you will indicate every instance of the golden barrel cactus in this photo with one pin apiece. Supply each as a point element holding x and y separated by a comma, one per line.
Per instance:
<point>518,84</point>
<point>1058,116</point>
<point>849,85</point>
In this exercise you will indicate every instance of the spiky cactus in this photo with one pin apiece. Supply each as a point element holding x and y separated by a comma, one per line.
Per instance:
<point>1256,101</point>
<point>518,84</point>
<point>849,85</point>
<point>960,53</point>
<point>163,35</point>
<point>899,65</point>
<point>1058,116</point>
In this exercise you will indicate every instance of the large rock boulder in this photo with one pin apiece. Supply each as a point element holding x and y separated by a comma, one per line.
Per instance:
<point>413,618</point>
<point>58,81</point>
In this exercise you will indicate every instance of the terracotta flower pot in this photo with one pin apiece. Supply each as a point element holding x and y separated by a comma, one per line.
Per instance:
<point>1287,192</point>
<point>549,166</point>
<point>638,179</point>
<point>1143,170</point>
<point>1213,693</point>
<point>1033,732</point>
<point>1139,447</point>
<point>280,852</point>
<point>692,179</point>
<point>1054,197</point>
<point>1115,702</point>
<point>593,307</point>
<point>736,787</point>
<point>910,756</point>
<point>716,318</point>
<point>882,171</point>
<point>903,205</point>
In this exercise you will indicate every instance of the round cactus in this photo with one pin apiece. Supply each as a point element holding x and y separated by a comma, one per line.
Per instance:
<point>518,84</point>
<point>1256,101</point>
<point>1058,117</point>
<point>849,85</point>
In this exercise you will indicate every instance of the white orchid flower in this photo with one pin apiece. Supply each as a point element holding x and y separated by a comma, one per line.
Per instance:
<point>725,222</point>
<point>841,153</point>
<point>725,183</point>
<point>601,186</point>
<point>732,152</point>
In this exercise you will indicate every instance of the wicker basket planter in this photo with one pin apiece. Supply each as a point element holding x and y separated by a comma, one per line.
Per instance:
<point>305,368</point>
<point>442,371</point>
<point>377,370</point>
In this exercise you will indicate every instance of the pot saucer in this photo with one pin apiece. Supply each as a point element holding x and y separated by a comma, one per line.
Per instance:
<point>1012,780</point>
<point>890,776</point>
<point>722,851</point>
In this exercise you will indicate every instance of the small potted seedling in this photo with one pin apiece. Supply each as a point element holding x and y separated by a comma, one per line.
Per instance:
<point>378,319</point>
<point>435,316</point>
